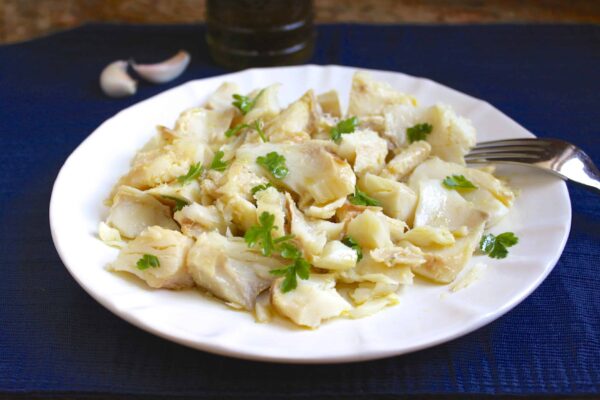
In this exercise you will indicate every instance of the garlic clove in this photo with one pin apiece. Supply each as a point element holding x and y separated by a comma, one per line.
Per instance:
<point>164,71</point>
<point>115,82</point>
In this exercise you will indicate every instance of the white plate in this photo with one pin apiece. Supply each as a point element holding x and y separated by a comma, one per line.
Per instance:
<point>427,315</point>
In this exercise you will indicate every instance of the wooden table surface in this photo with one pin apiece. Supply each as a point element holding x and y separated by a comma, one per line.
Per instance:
<point>26,19</point>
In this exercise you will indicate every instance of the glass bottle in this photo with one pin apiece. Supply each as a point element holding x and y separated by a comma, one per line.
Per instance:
<point>249,33</point>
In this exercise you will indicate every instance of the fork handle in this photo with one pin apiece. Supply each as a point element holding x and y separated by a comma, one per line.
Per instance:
<point>592,184</point>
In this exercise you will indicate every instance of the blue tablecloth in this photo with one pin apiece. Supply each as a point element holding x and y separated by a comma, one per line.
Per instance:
<point>55,338</point>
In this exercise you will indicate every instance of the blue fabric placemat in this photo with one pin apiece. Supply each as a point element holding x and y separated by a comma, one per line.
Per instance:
<point>55,339</point>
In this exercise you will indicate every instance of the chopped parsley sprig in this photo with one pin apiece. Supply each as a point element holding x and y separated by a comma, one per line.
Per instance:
<point>458,182</point>
<point>217,163</point>
<point>361,199</point>
<point>193,173</point>
<point>256,125</point>
<point>261,235</point>
<point>260,187</point>
<point>235,130</point>
<point>418,132</point>
<point>274,163</point>
<point>350,242</point>
<point>148,261</point>
<point>245,103</point>
<point>343,127</point>
<point>299,267</point>
<point>497,246</point>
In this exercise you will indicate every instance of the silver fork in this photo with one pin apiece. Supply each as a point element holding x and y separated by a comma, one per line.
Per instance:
<point>553,155</point>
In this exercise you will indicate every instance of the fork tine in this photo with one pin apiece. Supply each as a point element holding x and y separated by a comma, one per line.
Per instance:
<point>533,142</point>
<point>509,149</point>
<point>508,142</point>
<point>503,157</point>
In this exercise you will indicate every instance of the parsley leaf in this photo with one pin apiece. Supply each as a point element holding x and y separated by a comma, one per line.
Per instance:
<point>217,163</point>
<point>261,234</point>
<point>148,261</point>
<point>235,130</point>
<point>245,103</point>
<point>361,199</point>
<point>283,238</point>
<point>275,163</point>
<point>289,251</point>
<point>496,246</point>
<point>256,125</point>
<point>260,187</point>
<point>299,267</point>
<point>458,182</point>
<point>192,174</point>
<point>179,203</point>
<point>343,127</point>
<point>350,242</point>
<point>418,132</point>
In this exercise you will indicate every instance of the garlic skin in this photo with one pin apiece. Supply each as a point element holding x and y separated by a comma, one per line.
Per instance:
<point>115,82</point>
<point>164,71</point>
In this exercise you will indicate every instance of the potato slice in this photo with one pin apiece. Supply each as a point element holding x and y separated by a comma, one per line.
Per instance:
<point>336,256</point>
<point>266,106</point>
<point>312,302</point>
<point>424,236</point>
<point>365,150</point>
<point>435,168</point>
<point>316,175</point>
<point>369,230</point>
<point>222,98</point>
<point>452,136</point>
<point>296,123</point>
<point>330,103</point>
<point>133,211</point>
<point>369,97</point>
<point>207,126</point>
<point>444,264</point>
<point>443,208</point>
<point>227,268</point>
<point>273,202</point>
<point>397,199</point>
<point>195,219</point>
<point>407,160</point>
<point>169,247</point>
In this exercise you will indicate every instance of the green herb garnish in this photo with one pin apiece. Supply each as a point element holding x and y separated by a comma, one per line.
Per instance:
<point>350,242</point>
<point>361,199</point>
<point>458,182</point>
<point>217,163</point>
<point>343,127</point>
<point>261,234</point>
<point>299,267</point>
<point>245,103</point>
<point>256,125</point>
<point>193,173</point>
<point>179,203</point>
<point>235,130</point>
<point>496,246</point>
<point>148,261</point>
<point>418,132</point>
<point>275,163</point>
<point>284,238</point>
<point>258,188</point>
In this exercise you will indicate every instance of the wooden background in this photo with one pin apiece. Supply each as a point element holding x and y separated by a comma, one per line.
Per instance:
<point>26,19</point>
